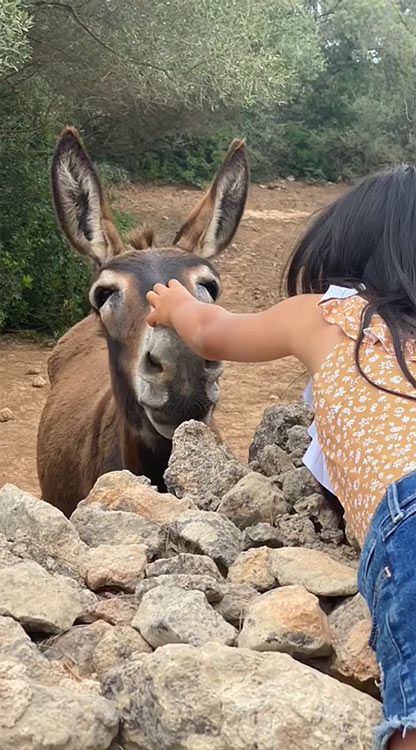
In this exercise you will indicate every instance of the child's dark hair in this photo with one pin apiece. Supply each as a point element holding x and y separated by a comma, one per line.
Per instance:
<point>367,240</point>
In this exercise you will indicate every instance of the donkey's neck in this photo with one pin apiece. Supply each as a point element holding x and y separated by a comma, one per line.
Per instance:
<point>145,453</point>
<point>142,449</point>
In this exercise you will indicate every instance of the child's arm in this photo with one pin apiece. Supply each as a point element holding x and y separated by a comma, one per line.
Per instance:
<point>214,334</point>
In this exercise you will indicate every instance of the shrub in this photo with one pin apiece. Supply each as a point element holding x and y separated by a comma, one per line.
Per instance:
<point>192,160</point>
<point>43,284</point>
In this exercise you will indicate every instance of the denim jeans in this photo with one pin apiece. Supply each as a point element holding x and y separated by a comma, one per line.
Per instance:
<point>387,580</point>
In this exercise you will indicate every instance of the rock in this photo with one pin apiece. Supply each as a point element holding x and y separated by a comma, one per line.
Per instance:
<point>331,536</point>
<point>298,484</point>
<point>200,466</point>
<point>354,661</point>
<point>221,698</point>
<point>298,441</point>
<point>6,555</point>
<point>184,563</point>
<point>169,614</point>
<point>235,600</point>
<point>261,535</point>
<point>40,532</point>
<point>50,718</point>
<point>96,526</point>
<point>118,644</point>
<point>318,572</point>
<point>34,370</point>
<point>273,460</point>
<point>342,553</point>
<point>287,619</point>
<point>6,414</point>
<point>253,568</point>
<point>298,437</point>
<point>119,565</point>
<point>39,382</point>
<point>210,534</point>
<point>42,707</point>
<point>122,490</point>
<point>41,601</point>
<point>253,499</point>
<point>207,584</point>
<point>117,610</point>
<point>75,648</point>
<point>275,424</point>
<point>296,531</point>
<point>319,511</point>
<point>351,538</point>
<point>16,645</point>
<point>278,479</point>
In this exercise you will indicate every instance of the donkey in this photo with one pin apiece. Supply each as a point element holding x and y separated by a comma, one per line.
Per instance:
<point>119,388</point>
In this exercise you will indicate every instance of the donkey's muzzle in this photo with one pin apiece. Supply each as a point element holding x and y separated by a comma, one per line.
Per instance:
<point>174,381</point>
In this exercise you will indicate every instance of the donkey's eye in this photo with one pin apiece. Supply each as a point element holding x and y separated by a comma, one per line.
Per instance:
<point>102,294</point>
<point>212,288</point>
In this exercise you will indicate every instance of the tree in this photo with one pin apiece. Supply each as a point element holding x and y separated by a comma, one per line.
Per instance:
<point>371,68</point>
<point>15,23</point>
<point>133,70</point>
<point>359,112</point>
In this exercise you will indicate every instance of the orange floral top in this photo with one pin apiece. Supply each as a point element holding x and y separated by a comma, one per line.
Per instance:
<point>368,437</point>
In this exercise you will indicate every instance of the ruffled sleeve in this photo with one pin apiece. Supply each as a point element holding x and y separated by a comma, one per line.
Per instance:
<point>346,314</point>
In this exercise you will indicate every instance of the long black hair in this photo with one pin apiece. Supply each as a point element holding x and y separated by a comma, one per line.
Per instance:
<point>366,240</point>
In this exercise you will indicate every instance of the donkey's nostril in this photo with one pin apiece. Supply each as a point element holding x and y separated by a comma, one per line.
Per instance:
<point>153,364</point>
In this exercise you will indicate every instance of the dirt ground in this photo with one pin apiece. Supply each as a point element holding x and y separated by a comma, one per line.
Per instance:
<point>251,271</point>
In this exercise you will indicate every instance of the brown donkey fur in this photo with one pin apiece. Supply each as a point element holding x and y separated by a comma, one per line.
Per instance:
<point>118,387</point>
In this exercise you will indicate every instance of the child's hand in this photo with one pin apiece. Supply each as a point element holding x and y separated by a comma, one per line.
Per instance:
<point>164,300</point>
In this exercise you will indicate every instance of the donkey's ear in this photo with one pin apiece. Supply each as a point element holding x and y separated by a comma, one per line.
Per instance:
<point>83,214</point>
<point>211,225</point>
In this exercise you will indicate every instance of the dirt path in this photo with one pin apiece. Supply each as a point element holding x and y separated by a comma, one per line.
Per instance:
<point>251,271</point>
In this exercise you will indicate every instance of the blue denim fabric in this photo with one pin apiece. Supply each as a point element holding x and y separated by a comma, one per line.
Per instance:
<point>387,580</point>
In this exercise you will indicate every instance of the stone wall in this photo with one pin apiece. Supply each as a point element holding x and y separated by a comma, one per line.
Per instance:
<point>223,615</point>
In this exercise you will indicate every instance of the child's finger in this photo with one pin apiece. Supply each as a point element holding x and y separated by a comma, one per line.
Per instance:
<point>159,288</point>
<point>151,319</point>
<point>152,298</point>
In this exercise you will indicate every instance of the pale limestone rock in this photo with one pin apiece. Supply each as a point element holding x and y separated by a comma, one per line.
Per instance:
<point>317,571</point>
<point>288,619</point>
<point>253,568</point>
<point>169,614</point>
<point>221,698</point>
<point>118,565</point>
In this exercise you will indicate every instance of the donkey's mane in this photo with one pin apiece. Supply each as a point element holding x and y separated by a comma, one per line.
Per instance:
<point>141,237</point>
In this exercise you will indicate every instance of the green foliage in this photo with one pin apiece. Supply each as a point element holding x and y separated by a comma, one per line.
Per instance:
<point>112,174</point>
<point>15,23</point>
<point>43,284</point>
<point>354,112</point>
<point>359,113</point>
<point>145,71</point>
<point>319,89</point>
<point>40,278</point>
<point>193,161</point>
<point>123,221</point>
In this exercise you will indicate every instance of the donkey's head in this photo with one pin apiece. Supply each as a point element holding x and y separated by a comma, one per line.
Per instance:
<point>151,369</point>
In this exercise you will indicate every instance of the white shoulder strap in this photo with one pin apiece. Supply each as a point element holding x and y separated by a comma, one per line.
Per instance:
<point>314,459</point>
<point>338,292</point>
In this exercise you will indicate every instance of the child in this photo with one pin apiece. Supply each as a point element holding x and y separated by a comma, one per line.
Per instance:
<point>359,344</point>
